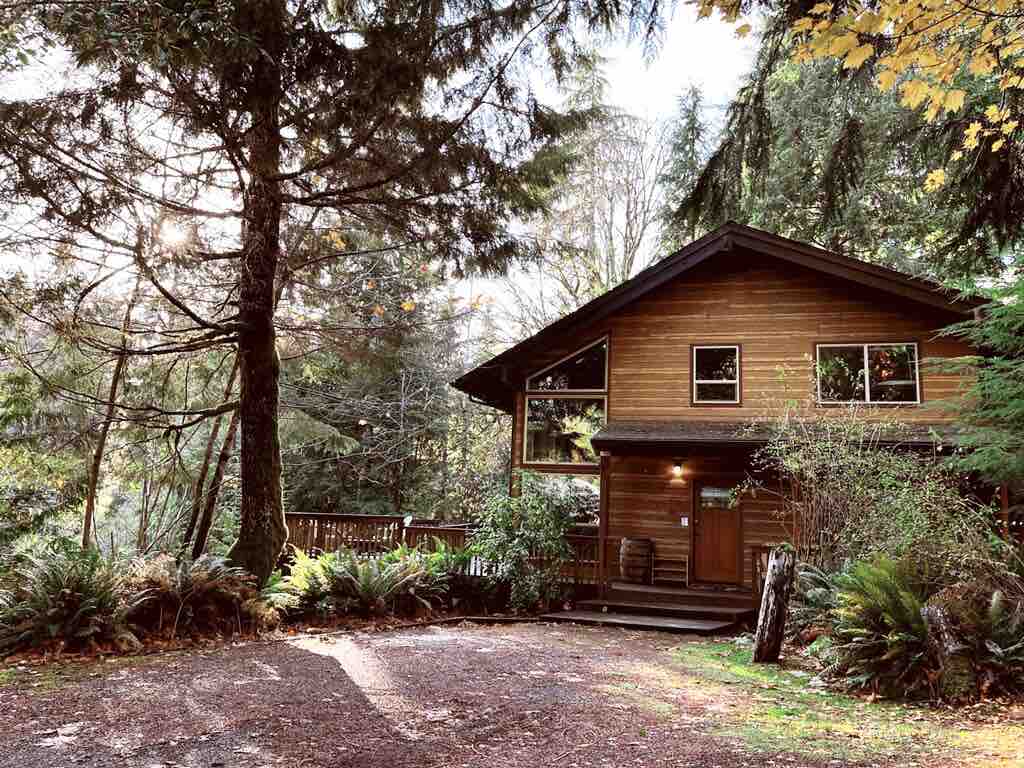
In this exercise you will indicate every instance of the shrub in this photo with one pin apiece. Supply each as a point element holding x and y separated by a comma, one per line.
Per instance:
<point>880,635</point>
<point>522,541</point>
<point>857,498</point>
<point>341,582</point>
<point>813,600</point>
<point>1000,646</point>
<point>205,594</point>
<point>64,593</point>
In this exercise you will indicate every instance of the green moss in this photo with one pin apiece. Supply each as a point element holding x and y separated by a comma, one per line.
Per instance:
<point>776,709</point>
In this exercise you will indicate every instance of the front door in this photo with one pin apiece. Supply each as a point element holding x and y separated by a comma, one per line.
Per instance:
<point>716,536</point>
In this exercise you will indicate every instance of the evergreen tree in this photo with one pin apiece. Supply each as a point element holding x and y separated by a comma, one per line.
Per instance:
<point>195,134</point>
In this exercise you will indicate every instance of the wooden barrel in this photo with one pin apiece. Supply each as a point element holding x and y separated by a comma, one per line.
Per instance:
<point>635,560</point>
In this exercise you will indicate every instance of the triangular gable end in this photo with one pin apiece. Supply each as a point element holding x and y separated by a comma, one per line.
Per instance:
<point>496,381</point>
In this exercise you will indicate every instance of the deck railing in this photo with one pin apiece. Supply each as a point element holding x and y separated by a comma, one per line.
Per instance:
<point>370,535</point>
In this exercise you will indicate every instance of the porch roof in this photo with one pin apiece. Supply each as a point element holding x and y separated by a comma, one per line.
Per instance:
<point>672,435</point>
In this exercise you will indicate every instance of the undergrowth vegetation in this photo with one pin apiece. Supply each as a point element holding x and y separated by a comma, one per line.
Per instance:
<point>906,587</point>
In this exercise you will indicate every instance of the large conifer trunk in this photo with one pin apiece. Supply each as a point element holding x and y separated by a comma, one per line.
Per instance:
<point>262,533</point>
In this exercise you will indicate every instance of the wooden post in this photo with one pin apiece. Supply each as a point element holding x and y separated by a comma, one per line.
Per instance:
<point>771,620</point>
<point>602,526</point>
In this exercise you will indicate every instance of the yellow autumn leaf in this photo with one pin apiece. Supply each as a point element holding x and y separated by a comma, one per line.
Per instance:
<point>858,56</point>
<point>956,156</point>
<point>820,9</point>
<point>935,180</point>
<point>743,30</point>
<point>997,145</point>
<point>1009,127</point>
<point>886,79</point>
<point>915,92</point>
<point>955,100</point>
<point>408,305</point>
<point>839,46</point>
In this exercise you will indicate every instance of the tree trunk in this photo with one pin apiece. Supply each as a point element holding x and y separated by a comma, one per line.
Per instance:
<point>108,419</point>
<point>199,494</point>
<point>262,533</point>
<point>771,621</point>
<point>206,521</point>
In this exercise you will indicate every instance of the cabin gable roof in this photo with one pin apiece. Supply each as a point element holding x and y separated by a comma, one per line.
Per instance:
<point>496,381</point>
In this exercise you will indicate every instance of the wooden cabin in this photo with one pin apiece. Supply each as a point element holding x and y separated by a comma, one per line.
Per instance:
<point>668,372</point>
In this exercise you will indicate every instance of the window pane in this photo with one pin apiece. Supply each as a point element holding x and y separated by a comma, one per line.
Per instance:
<point>893,371</point>
<point>715,498</point>
<point>717,364</point>
<point>585,370</point>
<point>716,393</point>
<point>558,430</point>
<point>841,373</point>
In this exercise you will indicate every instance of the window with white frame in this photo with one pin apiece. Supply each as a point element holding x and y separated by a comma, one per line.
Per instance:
<point>715,371</point>
<point>566,404</point>
<point>868,373</point>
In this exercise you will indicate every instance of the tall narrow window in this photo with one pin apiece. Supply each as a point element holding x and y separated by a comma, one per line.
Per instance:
<point>566,404</point>
<point>716,375</point>
<point>868,373</point>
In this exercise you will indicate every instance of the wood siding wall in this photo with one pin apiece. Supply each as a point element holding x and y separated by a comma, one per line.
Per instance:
<point>777,312</point>
<point>646,501</point>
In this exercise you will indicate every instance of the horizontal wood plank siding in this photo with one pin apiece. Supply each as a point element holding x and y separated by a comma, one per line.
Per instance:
<point>646,501</point>
<point>778,312</point>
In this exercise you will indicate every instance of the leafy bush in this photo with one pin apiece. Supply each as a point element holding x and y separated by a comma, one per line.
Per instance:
<point>205,594</point>
<point>858,497</point>
<point>880,635</point>
<point>1000,646</point>
<point>341,582</point>
<point>522,541</point>
<point>813,600</point>
<point>64,593</point>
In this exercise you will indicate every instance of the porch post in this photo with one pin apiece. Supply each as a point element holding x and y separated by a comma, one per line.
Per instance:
<point>602,527</point>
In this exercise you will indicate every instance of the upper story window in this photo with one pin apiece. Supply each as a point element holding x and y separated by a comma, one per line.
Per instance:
<point>716,375</point>
<point>558,425</point>
<point>868,373</point>
<point>583,371</point>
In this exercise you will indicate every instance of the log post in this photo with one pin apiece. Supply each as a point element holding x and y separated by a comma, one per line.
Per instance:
<point>771,620</point>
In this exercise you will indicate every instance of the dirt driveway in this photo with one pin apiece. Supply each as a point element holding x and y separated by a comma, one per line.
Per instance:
<point>511,695</point>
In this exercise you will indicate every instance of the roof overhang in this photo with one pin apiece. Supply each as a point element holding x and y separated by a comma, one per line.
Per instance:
<point>496,381</point>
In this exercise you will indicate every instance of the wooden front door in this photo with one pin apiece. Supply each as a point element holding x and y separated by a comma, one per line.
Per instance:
<point>716,536</point>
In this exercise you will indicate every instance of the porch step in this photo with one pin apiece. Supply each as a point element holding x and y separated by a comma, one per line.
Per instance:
<point>626,592</point>
<point>731,613</point>
<point>637,621</point>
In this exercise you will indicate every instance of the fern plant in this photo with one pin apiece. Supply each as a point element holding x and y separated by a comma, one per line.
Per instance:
<point>63,592</point>
<point>814,598</point>
<point>195,594</point>
<point>881,636</point>
<point>1001,651</point>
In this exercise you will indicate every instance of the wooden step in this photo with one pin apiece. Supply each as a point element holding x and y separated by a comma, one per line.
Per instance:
<point>636,621</point>
<point>731,613</point>
<point>621,591</point>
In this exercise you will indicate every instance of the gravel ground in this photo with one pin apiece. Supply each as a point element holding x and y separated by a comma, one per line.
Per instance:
<point>468,695</point>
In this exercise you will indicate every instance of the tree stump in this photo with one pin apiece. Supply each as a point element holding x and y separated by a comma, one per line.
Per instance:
<point>957,681</point>
<point>771,620</point>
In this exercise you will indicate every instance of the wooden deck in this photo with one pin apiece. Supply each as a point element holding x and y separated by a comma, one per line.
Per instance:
<point>640,621</point>
<point>669,609</point>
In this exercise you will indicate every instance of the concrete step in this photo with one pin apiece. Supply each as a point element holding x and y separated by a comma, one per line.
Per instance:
<point>621,591</point>
<point>636,621</point>
<point>731,613</point>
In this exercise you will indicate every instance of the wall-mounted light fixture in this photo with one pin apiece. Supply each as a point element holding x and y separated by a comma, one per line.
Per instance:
<point>677,467</point>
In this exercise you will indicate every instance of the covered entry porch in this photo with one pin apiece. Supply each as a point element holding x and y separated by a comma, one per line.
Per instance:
<point>673,492</point>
